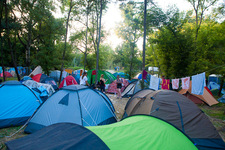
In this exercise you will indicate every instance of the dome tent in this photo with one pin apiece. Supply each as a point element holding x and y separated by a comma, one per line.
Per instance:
<point>180,112</point>
<point>142,132</point>
<point>69,80</point>
<point>74,104</point>
<point>107,76</point>
<point>133,88</point>
<point>66,136</point>
<point>17,103</point>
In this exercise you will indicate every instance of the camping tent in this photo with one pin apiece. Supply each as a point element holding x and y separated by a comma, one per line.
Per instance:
<point>42,78</point>
<point>66,136</point>
<point>55,75</point>
<point>142,132</point>
<point>180,112</point>
<point>113,86</point>
<point>75,104</point>
<point>107,76</point>
<point>122,75</point>
<point>133,88</point>
<point>198,99</point>
<point>17,103</point>
<point>69,80</point>
<point>7,74</point>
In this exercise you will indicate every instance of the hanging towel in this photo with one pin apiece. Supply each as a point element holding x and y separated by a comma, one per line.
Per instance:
<point>198,83</point>
<point>166,84</point>
<point>185,82</point>
<point>175,83</point>
<point>154,83</point>
<point>144,73</point>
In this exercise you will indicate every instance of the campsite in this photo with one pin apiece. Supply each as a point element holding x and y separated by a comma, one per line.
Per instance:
<point>112,74</point>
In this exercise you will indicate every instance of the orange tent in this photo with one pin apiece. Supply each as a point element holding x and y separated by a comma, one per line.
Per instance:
<point>199,99</point>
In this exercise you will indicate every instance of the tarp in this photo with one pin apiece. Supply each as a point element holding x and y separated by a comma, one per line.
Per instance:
<point>142,133</point>
<point>75,104</point>
<point>206,97</point>
<point>179,111</point>
<point>66,136</point>
<point>17,103</point>
<point>122,75</point>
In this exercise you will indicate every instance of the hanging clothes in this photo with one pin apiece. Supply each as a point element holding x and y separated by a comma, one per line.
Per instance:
<point>144,73</point>
<point>175,83</point>
<point>166,84</point>
<point>185,82</point>
<point>198,84</point>
<point>154,83</point>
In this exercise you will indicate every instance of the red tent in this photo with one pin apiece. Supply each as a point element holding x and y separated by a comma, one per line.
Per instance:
<point>69,80</point>
<point>39,77</point>
<point>7,74</point>
<point>112,87</point>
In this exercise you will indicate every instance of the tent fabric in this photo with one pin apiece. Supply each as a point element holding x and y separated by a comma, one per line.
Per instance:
<point>39,77</point>
<point>133,88</point>
<point>37,70</point>
<point>142,132</point>
<point>179,111</point>
<point>33,84</point>
<point>17,103</point>
<point>74,104</point>
<point>113,86</point>
<point>206,97</point>
<point>69,80</point>
<point>50,81</point>
<point>66,136</point>
<point>7,74</point>
<point>55,75</point>
<point>122,75</point>
<point>107,76</point>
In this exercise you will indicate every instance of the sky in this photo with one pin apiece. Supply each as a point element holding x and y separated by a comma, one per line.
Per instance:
<point>113,17</point>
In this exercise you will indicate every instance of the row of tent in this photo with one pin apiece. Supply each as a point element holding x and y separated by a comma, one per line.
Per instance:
<point>160,119</point>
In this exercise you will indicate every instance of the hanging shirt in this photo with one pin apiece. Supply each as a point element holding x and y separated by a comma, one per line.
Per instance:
<point>198,84</point>
<point>175,83</point>
<point>185,82</point>
<point>154,83</point>
<point>144,73</point>
<point>166,84</point>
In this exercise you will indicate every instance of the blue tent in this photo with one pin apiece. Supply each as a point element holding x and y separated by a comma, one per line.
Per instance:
<point>55,75</point>
<point>17,103</point>
<point>50,81</point>
<point>74,104</point>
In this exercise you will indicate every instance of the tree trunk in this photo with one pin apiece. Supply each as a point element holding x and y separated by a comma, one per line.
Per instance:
<point>144,38</point>
<point>221,86</point>
<point>64,51</point>
<point>99,38</point>
<point>85,53</point>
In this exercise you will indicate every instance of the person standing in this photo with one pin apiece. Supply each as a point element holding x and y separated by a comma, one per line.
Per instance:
<point>102,83</point>
<point>119,86</point>
<point>84,79</point>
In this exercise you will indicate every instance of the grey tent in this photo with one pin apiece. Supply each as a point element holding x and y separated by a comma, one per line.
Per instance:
<point>74,104</point>
<point>179,111</point>
<point>133,88</point>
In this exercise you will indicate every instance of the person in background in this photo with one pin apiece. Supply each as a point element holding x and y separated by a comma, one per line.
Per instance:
<point>84,79</point>
<point>119,86</point>
<point>102,83</point>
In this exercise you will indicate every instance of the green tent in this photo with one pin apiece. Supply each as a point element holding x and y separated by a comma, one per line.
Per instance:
<point>142,132</point>
<point>107,76</point>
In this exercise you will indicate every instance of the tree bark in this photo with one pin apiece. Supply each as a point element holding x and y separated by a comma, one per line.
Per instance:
<point>99,38</point>
<point>64,51</point>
